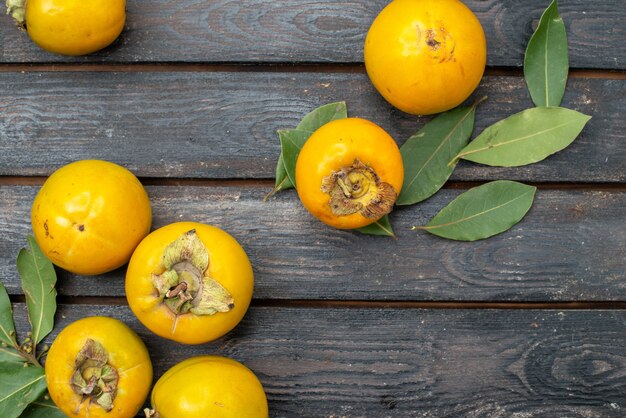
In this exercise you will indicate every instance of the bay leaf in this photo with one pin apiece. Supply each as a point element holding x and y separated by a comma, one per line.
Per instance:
<point>381,227</point>
<point>311,122</point>
<point>19,386</point>
<point>10,355</point>
<point>38,281</point>
<point>483,211</point>
<point>282,180</point>
<point>546,62</point>
<point>319,117</point>
<point>291,142</point>
<point>426,154</point>
<point>42,408</point>
<point>526,137</point>
<point>7,326</point>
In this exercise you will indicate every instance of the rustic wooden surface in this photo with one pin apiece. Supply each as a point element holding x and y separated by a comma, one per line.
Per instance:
<point>530,323</point>
<point>223,124</point>
<point>330,31</point>
<point>416,362</point>
<point>570,247</point>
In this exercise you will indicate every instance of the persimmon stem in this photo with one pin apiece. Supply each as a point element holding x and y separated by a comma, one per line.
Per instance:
<point>275,190</point>
<point>479,101</point>
<point>182,286</point>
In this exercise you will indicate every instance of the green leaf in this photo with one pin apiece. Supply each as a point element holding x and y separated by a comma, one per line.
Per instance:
<point>426,154</point>
<point>19,386</point>
<point>322,115</point>
<point>282,180</point>
<point>381,227</point>
<point>291,142</point>
<point>526,137</point>
<point>42,408</point>
<point>10,355</point>
<point>7,326</point>
<point>38,281</point>
<point>310,123</point>
<point>483,211</point>
<point>546,63</point>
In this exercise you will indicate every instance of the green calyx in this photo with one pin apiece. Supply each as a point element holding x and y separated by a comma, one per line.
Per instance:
<point>185,285</point>
<point>94,379</point>
<point>17,10</point>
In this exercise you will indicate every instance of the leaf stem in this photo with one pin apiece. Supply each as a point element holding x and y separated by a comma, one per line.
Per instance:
<point>479,101</point>
<point>275,190</point>
<point>387,230</point>
<point>31,358</point>
<point>456,159</point>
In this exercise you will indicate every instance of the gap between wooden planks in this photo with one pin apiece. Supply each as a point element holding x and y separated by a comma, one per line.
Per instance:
<point>269,183</point>
<point>364,304</point>
<point>296,67</point>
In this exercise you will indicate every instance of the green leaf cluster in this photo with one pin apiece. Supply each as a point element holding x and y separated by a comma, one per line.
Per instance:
<point>430,156</point>
<point>22,378</point>
<point>524,138</point>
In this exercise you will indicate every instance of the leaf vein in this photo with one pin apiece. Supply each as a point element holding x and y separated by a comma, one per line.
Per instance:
<point>387,230</point>
<point>4,331</point>
<point>546,62</point>
<point>11,353</point>
<point>37,330</point>
<point>465,219</point>
<point>464,154</point>
<point>20,388</point>
<point>445,141</point>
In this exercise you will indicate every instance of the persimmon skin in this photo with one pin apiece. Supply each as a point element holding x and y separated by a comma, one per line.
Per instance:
<point>425,56</point>
<point>228,264</point>
<point>336,145</point>
<point>126,352</point>
<point>209,386</point>
<point>74,27</point>
<point>89,216</point>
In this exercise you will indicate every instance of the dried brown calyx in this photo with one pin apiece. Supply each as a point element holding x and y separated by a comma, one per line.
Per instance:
<point>185,285</point>
<point>94,378</point>
<point>359,189</point>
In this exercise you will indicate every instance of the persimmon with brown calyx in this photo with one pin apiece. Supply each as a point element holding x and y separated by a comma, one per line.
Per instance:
<point>349,173</point>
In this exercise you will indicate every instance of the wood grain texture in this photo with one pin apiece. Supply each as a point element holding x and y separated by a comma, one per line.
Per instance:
<point>570,247</point>
<point>223,125</point>
<point>322,31</point>
<point>399,363</point>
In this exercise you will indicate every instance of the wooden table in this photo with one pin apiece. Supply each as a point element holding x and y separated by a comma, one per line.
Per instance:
<point>530,322</point>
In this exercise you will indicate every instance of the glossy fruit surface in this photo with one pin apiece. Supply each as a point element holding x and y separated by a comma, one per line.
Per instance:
<point>106,353</point>
<point>89,216</point>
<point>209,386</point>
<point>425,56</point>
<point>189,282</point>
<point>74,27</point>
<point>348,173</point>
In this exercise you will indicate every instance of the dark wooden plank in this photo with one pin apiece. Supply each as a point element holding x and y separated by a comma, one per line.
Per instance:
<point>223,125</point>
<point>399,363</point>
<point>570,246</point>
<point>323,31</point>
